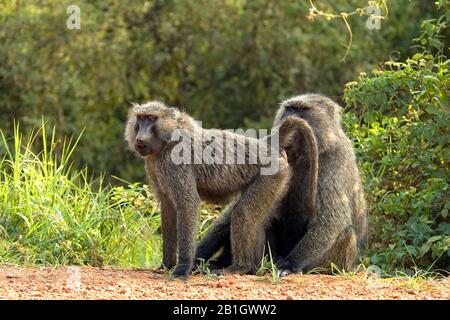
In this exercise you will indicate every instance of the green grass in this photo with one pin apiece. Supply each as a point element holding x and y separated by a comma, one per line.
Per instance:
<point>52,213</point>
<point>268,267</point>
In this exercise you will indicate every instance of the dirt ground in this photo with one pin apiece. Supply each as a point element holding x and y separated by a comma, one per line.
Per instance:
<point>110,283</point>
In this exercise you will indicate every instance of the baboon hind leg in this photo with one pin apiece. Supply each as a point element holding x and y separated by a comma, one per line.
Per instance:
<point>217,236</point>
<point>249,217</point>
<point>224,259</point>
<point>345,251</point>
<point>312,252</point>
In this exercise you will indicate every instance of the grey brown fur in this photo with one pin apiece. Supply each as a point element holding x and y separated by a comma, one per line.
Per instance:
<point>335,230</point>
<point>180,188</point>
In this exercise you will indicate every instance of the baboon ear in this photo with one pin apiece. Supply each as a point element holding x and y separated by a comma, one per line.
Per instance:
<point>129,127</point>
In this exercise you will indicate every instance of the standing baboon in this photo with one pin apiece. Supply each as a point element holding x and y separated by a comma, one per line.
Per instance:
<point>335,229</point>
<point>156,132</point>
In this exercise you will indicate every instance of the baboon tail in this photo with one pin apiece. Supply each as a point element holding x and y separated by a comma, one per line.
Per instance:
<point>286,132</point>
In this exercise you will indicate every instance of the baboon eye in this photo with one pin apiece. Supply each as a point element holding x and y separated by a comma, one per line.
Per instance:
<point>152,117</point>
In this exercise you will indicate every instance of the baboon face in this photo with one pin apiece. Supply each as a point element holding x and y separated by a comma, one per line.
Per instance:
<point>147,141</point>
<point>150,127</point>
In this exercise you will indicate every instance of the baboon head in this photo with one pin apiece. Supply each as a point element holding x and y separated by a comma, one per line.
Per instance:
<point>322,115</point>
<point>150,126</point>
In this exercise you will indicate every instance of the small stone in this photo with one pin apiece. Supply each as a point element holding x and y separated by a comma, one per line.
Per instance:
<point>289,297</point>
<point>222,283</point>
<point>124,290</point>
<point>42,288</point>
<point>36,294</point>
<point>361,274</point>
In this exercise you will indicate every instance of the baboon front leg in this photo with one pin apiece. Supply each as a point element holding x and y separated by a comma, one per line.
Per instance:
<point>186,228</point>
<point>186,202</point>
<point>169,234</point>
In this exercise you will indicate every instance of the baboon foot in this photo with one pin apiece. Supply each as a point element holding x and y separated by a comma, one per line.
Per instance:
<point>217,265</point>
<point>286,272</point>
<point>182,271</point>
<point>285,268</point>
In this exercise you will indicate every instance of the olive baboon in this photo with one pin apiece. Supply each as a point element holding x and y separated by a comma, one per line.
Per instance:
<point>335,230</point>
<point>180,187</point>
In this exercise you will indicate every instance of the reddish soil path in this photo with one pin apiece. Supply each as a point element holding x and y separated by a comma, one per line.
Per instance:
<point>109,283</point>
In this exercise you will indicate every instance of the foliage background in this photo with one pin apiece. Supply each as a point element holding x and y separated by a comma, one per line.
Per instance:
<point>228,63</point>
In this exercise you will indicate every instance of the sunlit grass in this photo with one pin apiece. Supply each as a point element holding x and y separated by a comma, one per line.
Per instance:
<point>372,272</point>
<point>51,213</point>
<point>268,267</point>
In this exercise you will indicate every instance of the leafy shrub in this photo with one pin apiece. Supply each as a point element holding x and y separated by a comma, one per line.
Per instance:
<point>402,140</point>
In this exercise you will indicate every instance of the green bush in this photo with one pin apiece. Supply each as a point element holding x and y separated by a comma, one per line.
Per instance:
<point>400,126</point>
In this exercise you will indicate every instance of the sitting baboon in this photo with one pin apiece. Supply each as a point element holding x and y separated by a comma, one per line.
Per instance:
<point>164,135</point>
<point>302,237</point>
